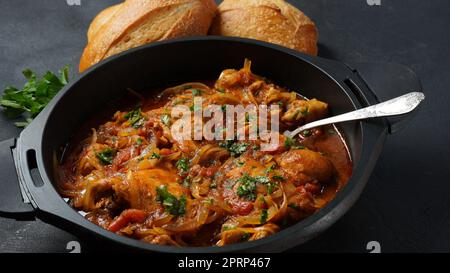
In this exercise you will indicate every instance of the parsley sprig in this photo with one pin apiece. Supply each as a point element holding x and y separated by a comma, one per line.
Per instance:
<point>33,96</point>
<point>170,203</point>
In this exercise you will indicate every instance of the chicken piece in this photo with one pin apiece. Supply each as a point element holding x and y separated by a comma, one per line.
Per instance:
<point>316,110</point>
<point>306,165</point>
<point>301,205</point>
<point>228,78</point>
<point>231,78</point>
<point>305,111</point>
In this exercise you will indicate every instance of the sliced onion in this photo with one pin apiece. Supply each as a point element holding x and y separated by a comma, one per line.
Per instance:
<point>183,87</point>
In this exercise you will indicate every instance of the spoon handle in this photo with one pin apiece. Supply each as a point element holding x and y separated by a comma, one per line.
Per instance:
<point>396,106</point>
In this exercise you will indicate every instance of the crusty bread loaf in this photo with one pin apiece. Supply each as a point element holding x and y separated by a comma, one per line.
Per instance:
<point>272,21</point>
<point>138,22</point>
<point>101,19</point>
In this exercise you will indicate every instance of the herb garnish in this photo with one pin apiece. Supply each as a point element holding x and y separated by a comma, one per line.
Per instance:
<point>270,169</point>
<point>139,141</point>
<point>34,95</point>
<point>135,118</point>
<point>106,156</point>
<point>235,149</point>
<point>307,133</point>
<point>291,143</point>
<point>170,203</point>
<point>183,165</point>
<point>247,187</point>
<point>155,156</point>
<point>263,217</point>
<point>278,177</point>
<point>196,92</point>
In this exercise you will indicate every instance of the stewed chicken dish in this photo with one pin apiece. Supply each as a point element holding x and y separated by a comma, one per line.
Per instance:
<point>133,176</point>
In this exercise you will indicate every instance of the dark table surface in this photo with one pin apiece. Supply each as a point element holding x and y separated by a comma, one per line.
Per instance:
<point>406,204</point>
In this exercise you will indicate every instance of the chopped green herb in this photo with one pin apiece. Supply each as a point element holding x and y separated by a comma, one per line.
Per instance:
<point>291,143</point>
<point>263,217</point>
<point>155,156</point>
<point>247,187</point>
<point>307,133</point>
<point>165,119</point>
<point>213,185</point>
<point>270,169</point>
<point>256,148</point>
<point>280,103</point>
<point>183,165</point>
<point>270,187</point>
<point>305,112</point>
<point>240,164</point>
<point>34,95</point>
<point>223,108</point>
<point>135,118</point>
<point>278,177</point>
<point>293,206</point>
<point>139,141</point>
<point>106,156</point>
<point>196,92</point>
<point>221,90</point>
<point>170,203</point>
<point>235,149</point>
<point>23,124</point>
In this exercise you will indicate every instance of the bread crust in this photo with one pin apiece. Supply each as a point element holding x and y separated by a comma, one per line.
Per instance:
<point>274,21</point>
<point>138,22</point>
<point>101,19</point>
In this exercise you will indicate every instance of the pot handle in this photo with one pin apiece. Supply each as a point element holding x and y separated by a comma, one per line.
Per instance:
<point>11,193</point>
<point>386,81</point>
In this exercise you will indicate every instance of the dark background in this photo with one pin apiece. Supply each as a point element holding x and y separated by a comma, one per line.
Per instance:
<point>406,204</point>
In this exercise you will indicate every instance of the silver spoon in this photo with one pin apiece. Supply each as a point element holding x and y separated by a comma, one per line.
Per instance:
<point>394,107</point>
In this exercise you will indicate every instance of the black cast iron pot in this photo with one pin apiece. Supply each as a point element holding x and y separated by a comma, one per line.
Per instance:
<point>28,162</point>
